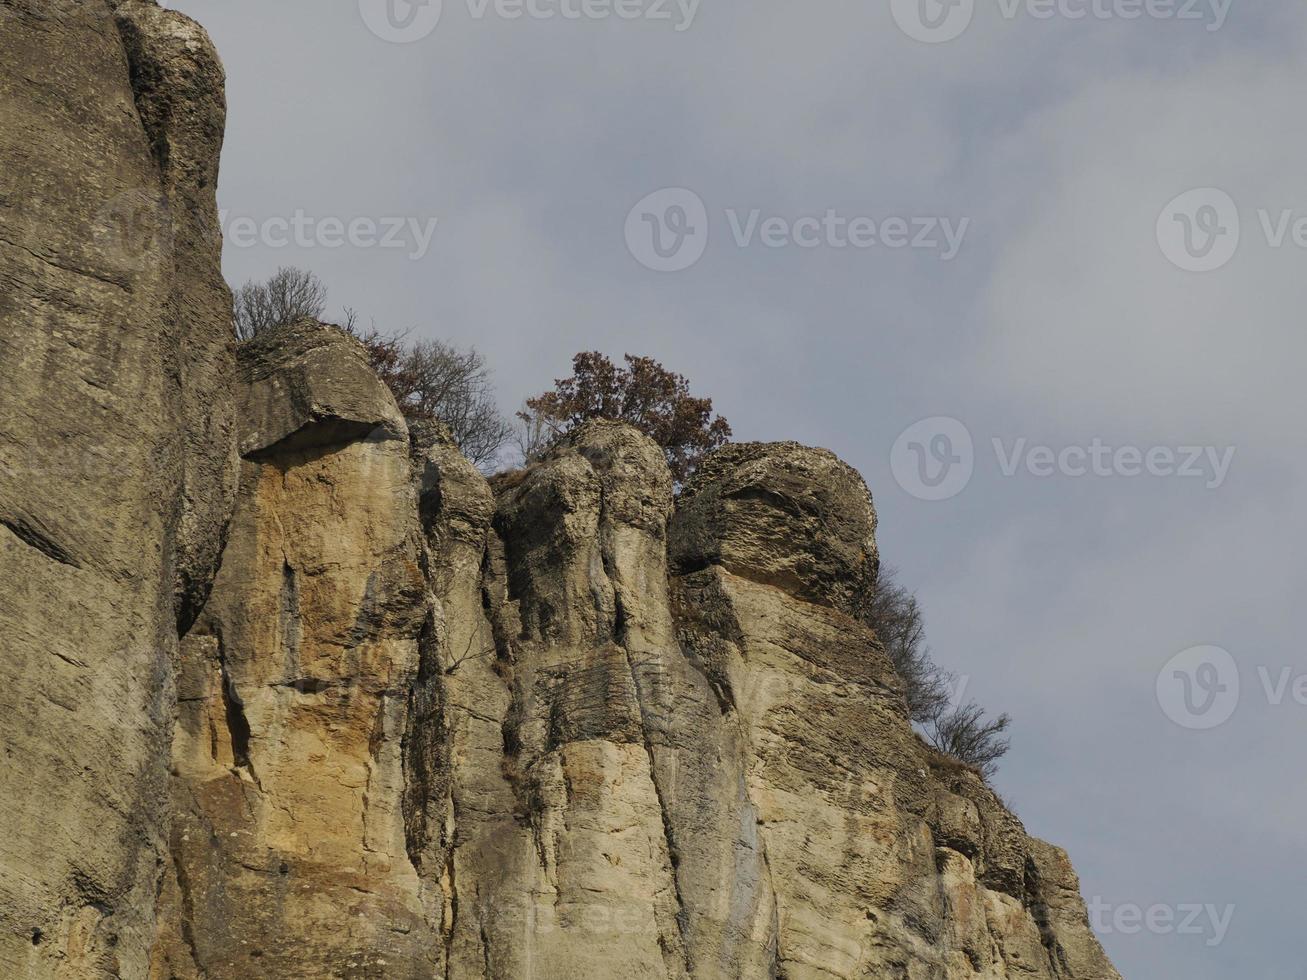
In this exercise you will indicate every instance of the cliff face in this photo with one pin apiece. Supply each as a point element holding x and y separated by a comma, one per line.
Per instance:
<point>289,690</point>
<point>117,462</point>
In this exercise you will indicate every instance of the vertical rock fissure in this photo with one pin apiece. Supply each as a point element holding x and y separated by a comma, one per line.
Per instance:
<point>621,635</point>
<point>186,891</point>
<point>777,961</point>
<point>289,618</point>
<point>238,725</point>
<point>1041,914</point>
<point>451,923</point>
<point>669,833</point>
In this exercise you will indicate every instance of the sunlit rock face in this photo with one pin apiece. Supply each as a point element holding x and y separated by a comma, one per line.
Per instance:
<point>289,689</point>
<point>289,844</point>
<point>488,730</point>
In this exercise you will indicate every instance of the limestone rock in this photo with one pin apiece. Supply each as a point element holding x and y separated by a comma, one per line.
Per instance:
<point>782,514</point>
<point>308,384</point>
<point>289,839</point>
<point>884,858</point>
<point>560,724</point>
<point>179,89</point>
<point>117,462</point>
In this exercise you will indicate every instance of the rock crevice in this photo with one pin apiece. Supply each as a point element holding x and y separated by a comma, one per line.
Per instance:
<point>291,690</point>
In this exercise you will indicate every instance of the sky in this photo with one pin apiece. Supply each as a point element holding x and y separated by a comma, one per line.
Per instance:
<point>1034,267</point>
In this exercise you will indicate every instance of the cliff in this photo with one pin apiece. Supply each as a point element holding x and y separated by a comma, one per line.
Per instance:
<point>289,690</point>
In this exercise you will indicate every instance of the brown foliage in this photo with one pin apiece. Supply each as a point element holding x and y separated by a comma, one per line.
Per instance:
<point>644,393</point>
<point>435,381</point>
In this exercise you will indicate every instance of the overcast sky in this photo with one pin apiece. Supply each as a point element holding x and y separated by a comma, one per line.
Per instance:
<point>1051,279</point>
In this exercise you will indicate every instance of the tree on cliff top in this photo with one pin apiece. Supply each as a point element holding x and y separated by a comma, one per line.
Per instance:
<point>435,381</point>
<point>644,394</point>
<point>290,295</point>
<point>430,379</point>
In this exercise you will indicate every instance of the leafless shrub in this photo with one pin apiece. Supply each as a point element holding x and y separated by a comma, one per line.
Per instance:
<point>430,379</point>
<point>436,381</point>
<point>966,733</point>
<point>963,732</point>
<point>290,295</point>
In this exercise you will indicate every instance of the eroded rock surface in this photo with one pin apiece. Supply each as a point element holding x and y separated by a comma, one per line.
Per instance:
<point>705,771</point>
<point>884,859</point>
<point>289,847</point>
<point>117,463</point>
<point>417,724</point>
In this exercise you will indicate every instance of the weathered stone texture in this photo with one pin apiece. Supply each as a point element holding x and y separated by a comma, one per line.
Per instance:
<point>117,461</point>
<point>705,774</point>
<point>558,725</point>
<point>288,840</point>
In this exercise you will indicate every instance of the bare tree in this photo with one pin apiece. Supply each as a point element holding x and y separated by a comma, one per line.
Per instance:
<point>430,379</point>
<point>534,433</point>
<point>290,295</point>
<point>967,734</point>
<point>894,613</point>
<point>433,380</point>
<point>964,732</point>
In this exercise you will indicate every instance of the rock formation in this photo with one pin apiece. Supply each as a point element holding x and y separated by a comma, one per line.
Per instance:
<point>291,690</point>
<point>117,457</point>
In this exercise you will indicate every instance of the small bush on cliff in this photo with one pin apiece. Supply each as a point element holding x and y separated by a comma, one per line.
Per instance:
<point>968,734</point>
<point>644,393</point>
<point>894,613</point>
<point>290,295</point>
<point>433,380</point>
<point>430,379</point>
<point>965,731</point>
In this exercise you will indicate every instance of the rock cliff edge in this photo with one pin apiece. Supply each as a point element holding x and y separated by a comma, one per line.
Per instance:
<point>290,690</point>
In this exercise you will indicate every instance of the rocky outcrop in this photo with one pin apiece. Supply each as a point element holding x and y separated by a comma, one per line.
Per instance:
<point>703,772</point>
<point>884,859</point>
<point>117,463</point>
<point>305,695</point>
<point>289,847</point>
<point>708,771</point>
